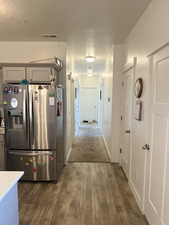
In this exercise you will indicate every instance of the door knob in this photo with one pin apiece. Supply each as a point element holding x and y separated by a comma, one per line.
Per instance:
<point>127,131</point>
<point>146,147</point>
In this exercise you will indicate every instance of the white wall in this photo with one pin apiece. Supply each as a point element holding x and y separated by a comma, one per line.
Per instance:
<point>149,34</point>
<point>70,115</point>
<point>107,102</point>
<point>112,108</point>
<point>119,60</point>
<point>93,81</point>
<point>151,31</point>
<point>29,51</point>
<point>70,118</point>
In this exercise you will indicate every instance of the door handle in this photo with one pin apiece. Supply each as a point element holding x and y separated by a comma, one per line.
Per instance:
<point>146,147</point>
<point>31,119</point>
<point>33,153</point>
<point>127,131</point>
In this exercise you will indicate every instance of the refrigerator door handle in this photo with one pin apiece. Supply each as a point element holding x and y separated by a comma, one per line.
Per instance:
<point>33,153</point>
<point>25,122</point>
<point>31,113</point>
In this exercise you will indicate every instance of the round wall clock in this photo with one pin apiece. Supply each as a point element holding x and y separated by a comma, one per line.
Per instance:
<point>138,88</point>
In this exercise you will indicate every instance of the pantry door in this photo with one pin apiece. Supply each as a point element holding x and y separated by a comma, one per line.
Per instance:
<point>157,190</point>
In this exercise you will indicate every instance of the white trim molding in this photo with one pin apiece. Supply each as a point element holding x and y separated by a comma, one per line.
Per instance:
<point>129,66</point>
<point>68,155</point>
<point>107,148</point>
<point>158,49</point>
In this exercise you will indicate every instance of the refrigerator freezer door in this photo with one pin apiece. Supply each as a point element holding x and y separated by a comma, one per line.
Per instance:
<point>60,129</point>
<point>15,113</point>
<point>42,117</point>
<point>37,165</point>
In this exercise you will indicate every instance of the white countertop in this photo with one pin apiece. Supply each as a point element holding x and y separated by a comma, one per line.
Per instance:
<point>7,180</point>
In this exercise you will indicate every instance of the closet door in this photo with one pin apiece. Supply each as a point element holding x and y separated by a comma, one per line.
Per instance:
<point>157,191</point>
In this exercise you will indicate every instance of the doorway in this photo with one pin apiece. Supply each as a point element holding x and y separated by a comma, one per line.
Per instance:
<point>88,100</point>
<point>88,144</point>
<point>88,105</point>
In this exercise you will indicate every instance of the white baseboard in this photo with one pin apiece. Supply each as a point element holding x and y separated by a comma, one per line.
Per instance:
<point>68,155</point>
<point>137,198</point>
<point>107,148</point>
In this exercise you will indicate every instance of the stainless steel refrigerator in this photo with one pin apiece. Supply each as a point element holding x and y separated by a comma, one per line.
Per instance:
<point>34,130</point>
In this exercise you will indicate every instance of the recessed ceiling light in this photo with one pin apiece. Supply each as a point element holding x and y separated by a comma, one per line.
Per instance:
<point>49,35</point>
<point>90,59</point>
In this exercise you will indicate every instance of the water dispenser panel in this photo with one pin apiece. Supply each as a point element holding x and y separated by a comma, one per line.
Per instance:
<point>14,103</point>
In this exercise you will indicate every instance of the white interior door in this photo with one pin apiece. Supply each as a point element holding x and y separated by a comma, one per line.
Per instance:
<point>138,155</point>
<point>88,104</point>
<point>126,128</point>
<point>157,191</point>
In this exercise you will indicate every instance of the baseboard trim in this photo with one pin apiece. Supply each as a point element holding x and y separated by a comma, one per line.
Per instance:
<point>124,173</point>
<point>136,196</point>
<point>107,148</point>
<point>68,155</point>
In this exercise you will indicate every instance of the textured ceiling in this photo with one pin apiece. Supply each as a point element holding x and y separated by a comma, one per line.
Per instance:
<point>28,19</point>
<point>90,27</point>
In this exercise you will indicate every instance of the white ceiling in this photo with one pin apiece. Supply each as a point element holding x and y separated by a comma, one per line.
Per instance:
<point>28,19</point>
<point>89,26</point>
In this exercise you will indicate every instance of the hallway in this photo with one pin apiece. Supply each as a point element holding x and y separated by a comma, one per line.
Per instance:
<point>88,146</point>
<point>86,194</point>
<point>84,113</point>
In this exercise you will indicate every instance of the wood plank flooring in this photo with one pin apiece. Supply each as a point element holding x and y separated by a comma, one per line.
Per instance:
<point>86,194</point>
<point>89,146</point>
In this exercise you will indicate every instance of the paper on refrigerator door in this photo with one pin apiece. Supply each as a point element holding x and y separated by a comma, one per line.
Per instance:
<point>51,101</point>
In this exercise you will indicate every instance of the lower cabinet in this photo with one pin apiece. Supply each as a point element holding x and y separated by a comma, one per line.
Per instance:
<point>9,212</point>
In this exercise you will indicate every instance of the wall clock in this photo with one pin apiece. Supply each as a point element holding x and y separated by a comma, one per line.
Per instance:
<point>138,88</point>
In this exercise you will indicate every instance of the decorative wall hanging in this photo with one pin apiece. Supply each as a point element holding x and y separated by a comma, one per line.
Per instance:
<point>138,87</point>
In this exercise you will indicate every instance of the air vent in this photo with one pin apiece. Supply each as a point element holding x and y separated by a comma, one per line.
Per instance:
<point>49,35</point>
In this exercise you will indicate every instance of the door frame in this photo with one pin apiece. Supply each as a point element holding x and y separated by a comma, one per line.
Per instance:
<point>100,106</point>
<point>126,68</point>
<point>76,107</point>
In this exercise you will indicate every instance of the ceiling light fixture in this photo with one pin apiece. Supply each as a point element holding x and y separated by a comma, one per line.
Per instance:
<point>90,59</point>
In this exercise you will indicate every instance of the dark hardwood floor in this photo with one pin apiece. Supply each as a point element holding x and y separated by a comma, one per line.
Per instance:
<point>86,194</point>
